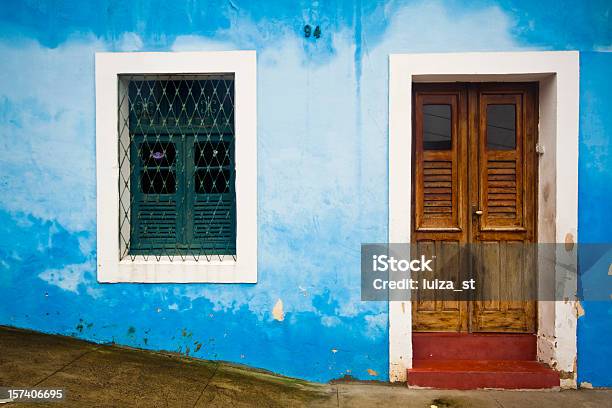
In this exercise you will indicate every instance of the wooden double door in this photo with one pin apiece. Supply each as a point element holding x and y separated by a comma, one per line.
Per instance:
<point>474,204</point>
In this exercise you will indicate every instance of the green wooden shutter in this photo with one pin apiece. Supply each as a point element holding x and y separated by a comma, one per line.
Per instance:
<point>214,199</point>
<point>182,178</point>
<point>156,195</point>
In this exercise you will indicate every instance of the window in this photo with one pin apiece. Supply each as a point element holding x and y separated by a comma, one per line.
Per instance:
<point>180,143</point>
<point>437,127</point>
<point>501,127</point>
<point>176,167</point>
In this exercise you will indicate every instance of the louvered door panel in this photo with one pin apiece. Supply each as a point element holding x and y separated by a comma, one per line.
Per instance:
<point>439,201</point>
<point>501,164</point>
<point>501,199</point>
<point>437,189</point>
<point>506,196</point>
<point>436,173</point>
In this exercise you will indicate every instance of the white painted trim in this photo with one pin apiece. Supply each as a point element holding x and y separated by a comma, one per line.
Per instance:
<point>110,267</point>
<point>558,74</point>
<point>400,191</point>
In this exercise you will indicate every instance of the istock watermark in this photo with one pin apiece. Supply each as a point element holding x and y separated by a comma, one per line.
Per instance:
<point>394,272</point>
<point>492,271</point>
<point>383,263</point>
<point>386,263</point>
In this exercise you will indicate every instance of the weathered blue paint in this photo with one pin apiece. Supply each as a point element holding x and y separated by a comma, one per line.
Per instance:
<point>322,106</point>
<point>595,204</point>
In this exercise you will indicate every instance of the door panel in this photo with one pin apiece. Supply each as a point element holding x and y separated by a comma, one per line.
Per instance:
<point>474,183</point>
<point>501,162</point>
<point>440,314</point>
<point>501,270</point>
<point>439,199</point>
<point>503,259</point>
<point>439,177</point>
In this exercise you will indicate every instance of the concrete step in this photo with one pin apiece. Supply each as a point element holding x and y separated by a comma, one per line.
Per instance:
<point>474,346</point>
<point>474,374</point>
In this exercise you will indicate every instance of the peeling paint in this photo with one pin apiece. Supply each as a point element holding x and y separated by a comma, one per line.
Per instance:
<point>371,372</point>
<point>277,311</point>
<point>579,310</point>
<point>569,242</point>
<point>586,384</point>
<point>546,192</point>
<point>568,384</point>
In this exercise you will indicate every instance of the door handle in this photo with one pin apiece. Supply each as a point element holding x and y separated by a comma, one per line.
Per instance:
<point>476,211</point>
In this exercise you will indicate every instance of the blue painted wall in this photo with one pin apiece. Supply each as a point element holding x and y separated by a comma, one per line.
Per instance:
<point>595,205</point>
<point>322,168</point>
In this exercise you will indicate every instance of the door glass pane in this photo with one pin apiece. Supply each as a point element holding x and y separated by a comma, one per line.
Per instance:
<point>501,127</point>
<point>437,127</point>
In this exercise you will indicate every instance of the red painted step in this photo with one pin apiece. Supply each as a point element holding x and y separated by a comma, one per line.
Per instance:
<point>471,374</point>
<point>474,346</point>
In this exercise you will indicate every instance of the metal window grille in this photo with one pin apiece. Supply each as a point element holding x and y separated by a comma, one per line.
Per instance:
<point>176,165</point>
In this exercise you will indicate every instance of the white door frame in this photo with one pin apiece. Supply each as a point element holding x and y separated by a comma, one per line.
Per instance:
<point>558,76</point>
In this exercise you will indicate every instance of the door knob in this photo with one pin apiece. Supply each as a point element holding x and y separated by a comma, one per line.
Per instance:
<point>477,212</point>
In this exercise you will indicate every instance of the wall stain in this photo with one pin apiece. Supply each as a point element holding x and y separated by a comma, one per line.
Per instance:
<point>277,311</point>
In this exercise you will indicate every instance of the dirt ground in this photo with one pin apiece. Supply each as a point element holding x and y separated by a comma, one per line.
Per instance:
<point>108,376</point>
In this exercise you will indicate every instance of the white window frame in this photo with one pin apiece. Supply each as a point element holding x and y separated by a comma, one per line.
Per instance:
<point>111,268</point>
<point>558,75</point>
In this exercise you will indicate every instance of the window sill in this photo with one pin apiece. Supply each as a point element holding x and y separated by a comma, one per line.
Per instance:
<point>176,271</point>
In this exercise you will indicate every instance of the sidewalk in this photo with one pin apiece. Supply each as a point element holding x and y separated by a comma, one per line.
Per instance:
<point>106,376</point>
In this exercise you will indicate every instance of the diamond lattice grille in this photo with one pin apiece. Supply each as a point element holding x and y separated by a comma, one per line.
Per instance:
<point>176,162</point>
